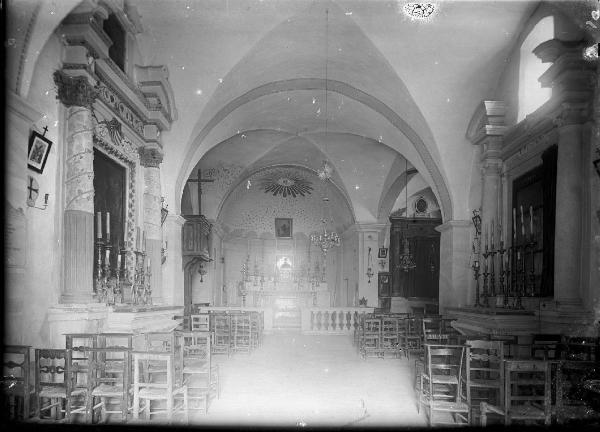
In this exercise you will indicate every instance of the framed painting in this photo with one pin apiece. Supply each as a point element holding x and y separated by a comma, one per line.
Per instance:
<point>283,227</point>
<point>38,151</point>
<point>382,253</point>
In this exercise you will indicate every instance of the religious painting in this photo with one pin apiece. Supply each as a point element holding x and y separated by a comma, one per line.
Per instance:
<point>39,149</point>
<point>110,197</point>
<point>285,265</point>
<point>382,253</point>
<point>283,227</point>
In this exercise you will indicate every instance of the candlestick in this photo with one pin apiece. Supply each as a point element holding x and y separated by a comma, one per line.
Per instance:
<point>118,261</point>
<point>107,252</point>
<point>531,220</point>
<point>137,238</point>
<point>107,227</point>
<point>522,223</point>
<point>485,236</point>
<point>144,241</point>
<point>492,234</point>
<point>98,225</point>
<point>514,218</point>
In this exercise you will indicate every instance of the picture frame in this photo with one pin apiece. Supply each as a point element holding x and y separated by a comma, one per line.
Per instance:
<point>382,253</point>
<point>283,228</point>
<point>38,151</point>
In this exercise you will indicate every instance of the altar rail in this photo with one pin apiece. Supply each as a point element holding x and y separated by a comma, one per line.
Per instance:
<point>332,320</point>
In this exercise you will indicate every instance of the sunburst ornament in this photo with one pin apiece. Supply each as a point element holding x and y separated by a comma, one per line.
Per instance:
<point>420,11</point>
<point>287,185</point>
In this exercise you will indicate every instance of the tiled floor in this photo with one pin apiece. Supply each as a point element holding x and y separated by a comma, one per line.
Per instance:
<point>297,380</point>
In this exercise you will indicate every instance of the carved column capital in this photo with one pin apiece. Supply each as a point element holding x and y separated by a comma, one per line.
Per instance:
<point>74,90</point>
<point>150,157</point>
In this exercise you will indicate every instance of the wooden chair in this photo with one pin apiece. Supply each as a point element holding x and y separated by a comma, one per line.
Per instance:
<point>485,370</point>
<point>526,394</point>
<point>444,385</point>
<point>389,336</point>
<point>200,322</point>
<point>16,383</point>
<point>222,334</point>
<point>410,338</point>
<point>572,403</point>
<point>256,329</point>
<point>199,374</point>
<point>371,338</point>
<point>56,389</point>
<point>149,389</point>
<point>359,329</point>
<point>432,331</point>
<point>241,335</point>
<point>110,383</point>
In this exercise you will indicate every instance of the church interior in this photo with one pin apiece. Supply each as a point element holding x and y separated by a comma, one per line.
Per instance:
<point>302,213</point>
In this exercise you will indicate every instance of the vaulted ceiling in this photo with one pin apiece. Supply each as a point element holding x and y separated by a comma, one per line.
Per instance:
<point>250,79</point>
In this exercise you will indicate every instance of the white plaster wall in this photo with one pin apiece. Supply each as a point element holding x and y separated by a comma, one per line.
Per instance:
<point>41,285</point>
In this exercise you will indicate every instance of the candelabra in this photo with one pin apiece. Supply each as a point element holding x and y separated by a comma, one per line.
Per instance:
<point>141,290</point>
<point>108,279</point>
<point>531,246</point>
<point>519,277</point>
<point>476,276</point>
<point>501,276</point>
<point>486,274</point>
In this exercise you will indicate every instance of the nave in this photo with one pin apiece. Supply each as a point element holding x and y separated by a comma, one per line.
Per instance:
<point>301,380</point>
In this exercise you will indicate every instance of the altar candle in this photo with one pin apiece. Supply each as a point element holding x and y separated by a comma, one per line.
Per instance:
<point>514,224</point>
<point>137,238</point>
<point>119,262</point>
<point>107,227</point>
<point>522,223</point>
<point>107,258</point>
<point>493,235</point>
<point>531,220</point>
<point>144,240</point>
<point>485,236</point>
<point>98,225</point>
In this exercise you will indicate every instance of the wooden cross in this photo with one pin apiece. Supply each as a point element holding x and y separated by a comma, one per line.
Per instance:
<point>200,180</point>
<point>45,130</point>
<point>31,189</point>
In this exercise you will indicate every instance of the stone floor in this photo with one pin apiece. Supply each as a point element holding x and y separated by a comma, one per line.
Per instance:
<point>298,380</point>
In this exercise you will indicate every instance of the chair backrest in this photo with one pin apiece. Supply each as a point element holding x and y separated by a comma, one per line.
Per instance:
<point>372,325</point>
<point>527,383</point>
<point>412,326</point>
<point>51,367</point>
<point>485,360</point>
<point>432,330</point>
<point>389,325</point>
<point>109,366</point>
<point>161,342</point>
<point>200,322</point>
<point>160,360</point>
<point>115,340</point>
<point>16,366</point>
<point>195,345</point>
<point>546,346</point>
<point>581,349</point>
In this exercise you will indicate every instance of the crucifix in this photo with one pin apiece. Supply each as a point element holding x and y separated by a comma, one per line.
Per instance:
<point>200,180</point>
<point>45,130</point>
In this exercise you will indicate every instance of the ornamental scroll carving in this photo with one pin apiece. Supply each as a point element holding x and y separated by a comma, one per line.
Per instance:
<point>74,90</point>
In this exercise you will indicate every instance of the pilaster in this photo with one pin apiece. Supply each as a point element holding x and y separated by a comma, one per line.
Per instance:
<point>172,274</point>
<point>151,158</point>
<point>77,94</point>
<point>454,264</point>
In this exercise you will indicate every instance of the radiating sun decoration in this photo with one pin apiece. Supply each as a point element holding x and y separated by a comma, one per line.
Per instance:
<point>420,11</point>
<point>286,186</point>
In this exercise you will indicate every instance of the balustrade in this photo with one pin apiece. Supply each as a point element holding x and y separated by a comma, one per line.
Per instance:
<point>332,320</point>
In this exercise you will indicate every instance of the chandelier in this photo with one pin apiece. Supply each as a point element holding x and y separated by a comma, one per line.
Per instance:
<point>406,259</point>
<point>325,240</point>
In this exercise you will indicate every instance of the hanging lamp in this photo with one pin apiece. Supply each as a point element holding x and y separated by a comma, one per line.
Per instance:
<point>406,259</point>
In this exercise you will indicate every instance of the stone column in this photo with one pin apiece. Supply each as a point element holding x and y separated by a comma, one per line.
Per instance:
<point>454,264</point>
<point>151,158</point>
<point>368,237</point>
<point>172,274</point>
<point>569,206</point>
<point>77,95</point>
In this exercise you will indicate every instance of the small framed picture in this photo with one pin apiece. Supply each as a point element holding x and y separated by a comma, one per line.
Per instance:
<point>39,148</point>
<point>283,227</point>
<point>382,253</point>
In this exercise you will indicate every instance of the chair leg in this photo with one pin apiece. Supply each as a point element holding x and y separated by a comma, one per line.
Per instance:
<point>136,405</point>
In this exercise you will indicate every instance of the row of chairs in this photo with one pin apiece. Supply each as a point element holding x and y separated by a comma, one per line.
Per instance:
<point>232,331</point>
<point>98,376</point>
<point>397,333</point>
<point>475,382</point>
